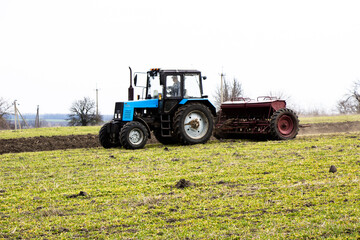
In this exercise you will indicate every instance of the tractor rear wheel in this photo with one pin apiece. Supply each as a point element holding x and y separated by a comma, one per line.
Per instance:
<point>284,124</point>
<point>193,123</point>
<point>108,140</point>
<point>133,135</point>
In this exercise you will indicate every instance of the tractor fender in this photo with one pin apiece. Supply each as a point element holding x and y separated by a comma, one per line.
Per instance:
<point>145,124</point>
<point>206,102</point>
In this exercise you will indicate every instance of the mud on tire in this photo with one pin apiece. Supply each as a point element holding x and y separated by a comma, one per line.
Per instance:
<point>193,123</point>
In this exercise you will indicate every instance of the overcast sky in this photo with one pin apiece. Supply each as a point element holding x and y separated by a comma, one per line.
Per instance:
<point>55,52</point>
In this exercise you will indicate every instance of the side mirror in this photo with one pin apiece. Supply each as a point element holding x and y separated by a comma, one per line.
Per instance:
<point>135,79</point>
<point>204,77</point>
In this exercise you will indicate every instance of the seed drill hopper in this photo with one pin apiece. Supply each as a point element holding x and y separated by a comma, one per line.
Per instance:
<point>266,117</point>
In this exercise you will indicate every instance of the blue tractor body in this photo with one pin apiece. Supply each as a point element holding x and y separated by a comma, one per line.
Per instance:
<point>173,108</point>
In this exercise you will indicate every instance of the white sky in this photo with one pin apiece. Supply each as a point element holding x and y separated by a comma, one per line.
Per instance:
<point>55,52</point>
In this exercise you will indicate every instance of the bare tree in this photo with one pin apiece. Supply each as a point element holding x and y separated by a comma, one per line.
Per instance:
<point>344,107</point>
<point>4,110</point>
<point>279,95</point>
<point>83,113</point>
<point>351,101</point>
<point>236,89</point>
<point>230,91</point>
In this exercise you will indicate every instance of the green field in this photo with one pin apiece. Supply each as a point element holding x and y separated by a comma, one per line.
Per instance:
<point>239,190</point>
<point>50,131</point>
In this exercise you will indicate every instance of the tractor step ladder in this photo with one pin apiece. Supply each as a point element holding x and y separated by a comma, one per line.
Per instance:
<point>165,125</point>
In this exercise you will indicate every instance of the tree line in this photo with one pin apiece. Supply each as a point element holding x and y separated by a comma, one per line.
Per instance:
<point>83,111</point>
<point>351,101</point>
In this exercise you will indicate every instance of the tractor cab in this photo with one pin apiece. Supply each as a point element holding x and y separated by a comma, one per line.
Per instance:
<point>172,87</point>
<point>172,84</point>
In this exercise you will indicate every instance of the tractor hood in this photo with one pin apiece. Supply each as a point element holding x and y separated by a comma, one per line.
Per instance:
<point>125,110</point>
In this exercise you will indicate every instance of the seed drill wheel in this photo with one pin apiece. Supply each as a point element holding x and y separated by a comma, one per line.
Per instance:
<point>133,135</point>
<point>193,123</point>
<point>284,124</point>
<point>108,140</point>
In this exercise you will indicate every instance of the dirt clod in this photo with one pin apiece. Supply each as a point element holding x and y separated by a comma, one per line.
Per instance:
<point>183,184</point>
<point>333,169</point>
<point>171,220</point>
<point>80,194</point>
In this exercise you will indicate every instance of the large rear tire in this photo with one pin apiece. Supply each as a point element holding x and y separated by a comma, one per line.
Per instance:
<point>134,135</point>
<point>108,140</point>
<point>284,124</point>
<point>193,124</point>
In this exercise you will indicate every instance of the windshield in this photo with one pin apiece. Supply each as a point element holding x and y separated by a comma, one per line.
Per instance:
<point>154,87</point>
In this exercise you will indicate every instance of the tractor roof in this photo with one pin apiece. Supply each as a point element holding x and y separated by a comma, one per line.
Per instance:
<point>175,70</point>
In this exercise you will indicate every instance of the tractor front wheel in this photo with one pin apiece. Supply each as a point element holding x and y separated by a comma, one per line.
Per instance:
<point>284,124</point>
<point>133,135</point>
<point>193,123</point>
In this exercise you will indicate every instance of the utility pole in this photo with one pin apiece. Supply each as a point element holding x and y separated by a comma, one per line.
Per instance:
<point>222,88</point>
<point>37,119</point>
<point>97,101</point>
<point>22,118</point>
<point>16,117</point>
<point>15,114</point>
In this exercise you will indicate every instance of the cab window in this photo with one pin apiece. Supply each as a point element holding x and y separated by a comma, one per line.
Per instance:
<point>154,87</point>
<point>173,86</point>
<point>192,86</point>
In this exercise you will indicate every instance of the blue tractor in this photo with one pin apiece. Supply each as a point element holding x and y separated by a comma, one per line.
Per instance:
<point>173,107</point>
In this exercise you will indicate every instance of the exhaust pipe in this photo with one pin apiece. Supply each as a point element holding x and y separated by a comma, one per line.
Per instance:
<point>130,89</point>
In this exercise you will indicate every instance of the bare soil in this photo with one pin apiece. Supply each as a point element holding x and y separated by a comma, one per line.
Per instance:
<point>337,127</point>
<point>35,144</point>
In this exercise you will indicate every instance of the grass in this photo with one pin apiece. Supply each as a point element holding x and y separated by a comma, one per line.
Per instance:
<point>51,131</point>
<point>329,119</point>
<point>240,189</point>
